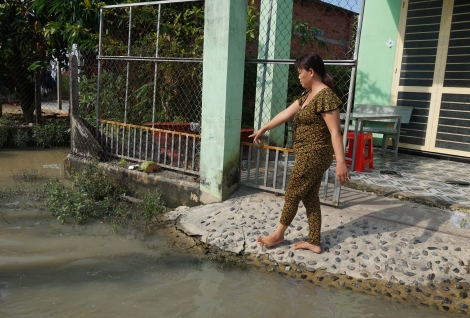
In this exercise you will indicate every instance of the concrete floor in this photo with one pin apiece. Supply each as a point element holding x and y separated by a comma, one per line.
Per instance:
<point>417,176</point>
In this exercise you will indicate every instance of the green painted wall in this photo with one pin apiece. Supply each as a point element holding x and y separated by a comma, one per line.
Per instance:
<point>376,60</point>
<point>222,91</point>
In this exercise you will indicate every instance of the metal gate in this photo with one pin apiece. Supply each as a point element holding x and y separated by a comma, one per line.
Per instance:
<point>277,33</point>
<point>149,83</point>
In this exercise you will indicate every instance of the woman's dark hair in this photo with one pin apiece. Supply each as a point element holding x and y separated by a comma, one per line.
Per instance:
<point>314,61</point>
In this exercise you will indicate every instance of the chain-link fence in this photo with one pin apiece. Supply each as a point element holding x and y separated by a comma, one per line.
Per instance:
<point>144,95</point>
<point>142,98</point>
<point>279,31</point>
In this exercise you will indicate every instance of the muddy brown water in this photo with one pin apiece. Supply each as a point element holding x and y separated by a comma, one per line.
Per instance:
<point>52,270</point>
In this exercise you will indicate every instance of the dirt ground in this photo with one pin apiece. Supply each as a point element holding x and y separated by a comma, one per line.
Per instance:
<point>11,110</point>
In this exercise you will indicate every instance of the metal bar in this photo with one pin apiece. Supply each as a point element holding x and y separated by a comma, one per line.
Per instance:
<point>146,145</point>
<point>129,142</point>
<point>112,137</point>
<point>146,3</point>
<point>251,185</point>
<point>194,153</point>
<point>248,164</point>
<point>164,149</point>
<point>353,73</point>
<point>258,155</point>
<point>284,175</point>
<point>275,169</point>
<point>135,133</point>
<point>397,138</point>
<point>100,45</point>
<point>292,62</point>
<point>186,154</point>
<point>159,145</point>
<point>325,181</point>
<point>265,180</point>
<point>265,66</point>
<point>172,148</point>
<point>59,86</point>
<point>128,66</point>
<point>155,78</point>
<point>266,147</point>
<point>179,150</point>
<point>151,59</point>
<point>149,128</point>
<point>140,143</point>
<point>165,166</point>
<point>117,140</point>
<point>336,193</point>
<point>107,134</point>
<point>353,159</point>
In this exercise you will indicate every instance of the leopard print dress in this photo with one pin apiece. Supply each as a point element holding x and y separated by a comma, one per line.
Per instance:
<point>313,156</point>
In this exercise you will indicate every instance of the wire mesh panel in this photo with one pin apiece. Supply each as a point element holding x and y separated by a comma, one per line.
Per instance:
<point>279,31</point>
<point>144,96</point>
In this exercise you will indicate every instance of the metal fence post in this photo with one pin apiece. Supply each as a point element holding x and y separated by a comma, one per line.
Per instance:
<point>59,86</point>
<point>73,82</point>
<point>97,106</point>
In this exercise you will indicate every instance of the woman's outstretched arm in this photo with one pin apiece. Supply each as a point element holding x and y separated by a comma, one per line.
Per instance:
<point>284,116</point>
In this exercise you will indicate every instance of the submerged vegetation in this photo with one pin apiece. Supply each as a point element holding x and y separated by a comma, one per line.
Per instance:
<point>91,196</point>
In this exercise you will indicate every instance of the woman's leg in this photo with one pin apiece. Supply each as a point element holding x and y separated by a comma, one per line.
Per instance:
<point>299,183</point>
<point>312,205</point>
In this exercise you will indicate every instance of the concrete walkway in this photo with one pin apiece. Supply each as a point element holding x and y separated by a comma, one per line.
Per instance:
<point>370,244</point>
<point>421,179</point>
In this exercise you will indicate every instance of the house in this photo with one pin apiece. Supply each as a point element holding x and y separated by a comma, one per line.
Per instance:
<point>331,24</point>
<point>417,53</point>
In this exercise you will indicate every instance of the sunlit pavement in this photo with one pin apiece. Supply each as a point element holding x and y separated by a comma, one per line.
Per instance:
<point>433,179</point>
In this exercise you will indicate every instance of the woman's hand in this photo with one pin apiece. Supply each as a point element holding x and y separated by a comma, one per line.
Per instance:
<point>257,136</point>
<point>284,116</point>
<point>342,173</point>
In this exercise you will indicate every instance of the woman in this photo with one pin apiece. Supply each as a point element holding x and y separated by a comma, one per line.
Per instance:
<point>317,133</point>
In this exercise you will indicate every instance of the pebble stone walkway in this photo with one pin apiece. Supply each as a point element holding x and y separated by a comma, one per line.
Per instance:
<point>369,238</point>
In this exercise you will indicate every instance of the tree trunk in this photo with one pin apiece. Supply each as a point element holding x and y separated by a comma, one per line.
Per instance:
<point>25,88</point>
<point>26,92</point>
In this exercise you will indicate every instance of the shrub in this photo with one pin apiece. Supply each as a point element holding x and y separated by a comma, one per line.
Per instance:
<point>21,138</point>
<point>150,207</point>
<point>92,195</point>
<point>5,131</point>
<point>52,133</point>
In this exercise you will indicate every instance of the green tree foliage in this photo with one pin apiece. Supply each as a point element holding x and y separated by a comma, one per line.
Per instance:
<point>23,48</point>
<point>32,32</point>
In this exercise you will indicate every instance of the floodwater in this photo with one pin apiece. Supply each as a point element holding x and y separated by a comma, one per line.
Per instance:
<point>52,270</point>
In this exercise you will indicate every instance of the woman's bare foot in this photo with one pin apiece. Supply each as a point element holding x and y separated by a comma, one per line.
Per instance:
<point>307,246</point>
<point>270,240</point>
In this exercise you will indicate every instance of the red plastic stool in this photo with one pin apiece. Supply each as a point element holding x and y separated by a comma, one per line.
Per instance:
<point>362,158</point>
